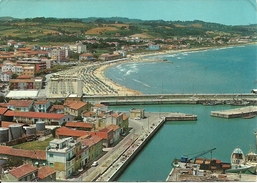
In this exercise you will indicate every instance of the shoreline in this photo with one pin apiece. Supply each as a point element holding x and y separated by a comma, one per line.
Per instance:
<point>123,90</point>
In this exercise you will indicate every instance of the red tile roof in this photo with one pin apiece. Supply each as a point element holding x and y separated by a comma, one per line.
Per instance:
<point>88,114</point>
<point>24,77</point>
<point>75,104</point>
<point>34,115</point>
<point>64,131</point>
<point>23,170</point>
<point>79,125</point>
<point>3,110</point>
<point>113,127</point>
<point>99,105</point>
<point>45,171</point>
<point>102,133</point>
<point>20,103</point>
<point>33,154</point>
<point>41,102</point>
<point>56,107</point>
<point>91,141</point>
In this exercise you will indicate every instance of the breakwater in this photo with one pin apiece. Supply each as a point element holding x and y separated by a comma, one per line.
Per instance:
<point>137,146</point>
<point>148,99</point>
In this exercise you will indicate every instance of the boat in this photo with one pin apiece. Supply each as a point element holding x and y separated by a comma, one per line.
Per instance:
<point>248,116</point>
<point>238,162</point>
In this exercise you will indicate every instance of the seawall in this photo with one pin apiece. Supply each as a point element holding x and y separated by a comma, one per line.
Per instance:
<point>133,151</point>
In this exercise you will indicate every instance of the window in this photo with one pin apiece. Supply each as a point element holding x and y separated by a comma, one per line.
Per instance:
<point>51,155</point>
<point>51,164</point>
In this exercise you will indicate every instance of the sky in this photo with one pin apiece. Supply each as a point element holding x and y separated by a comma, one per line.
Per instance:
<point>228,12</point>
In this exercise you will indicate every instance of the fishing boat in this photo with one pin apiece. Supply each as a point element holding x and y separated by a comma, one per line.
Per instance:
<point>238,162</point>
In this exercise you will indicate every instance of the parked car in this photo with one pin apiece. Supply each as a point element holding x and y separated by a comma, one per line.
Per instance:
<point>137,118</point>
<point>95,163</point>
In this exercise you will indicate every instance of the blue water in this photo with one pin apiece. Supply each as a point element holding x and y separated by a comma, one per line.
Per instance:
<point>230,70</point>
<point>226,70</point>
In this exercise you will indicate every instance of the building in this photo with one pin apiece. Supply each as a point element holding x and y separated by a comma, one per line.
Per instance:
<point>38,63</point>
<point>22,84</point>
<point>66,156</point>
<point>33,117</point>
<point>23,173</point>
<point>107,57</point>
<point>22,94</point>
<point>118,119</point>
<point>76,108</point>
<point>137,113</point>
<point>58,109</point>
<point>95,146</point>
<point>46,174</point>
<point>64,132</point>
<point>86,57</point>
<point>29,71</point>
<point>20,105</point>
<point>58,55</point>
<point>38,81</point>
<point>6,76</point>
<point>36,157</point>
<point>41,105</point>
<point>80,126</point>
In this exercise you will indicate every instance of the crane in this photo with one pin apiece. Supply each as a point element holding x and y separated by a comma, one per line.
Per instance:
<point>185,159</point>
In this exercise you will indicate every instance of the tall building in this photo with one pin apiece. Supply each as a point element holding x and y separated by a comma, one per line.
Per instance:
<point>58,54</point>
<point>66,156</point>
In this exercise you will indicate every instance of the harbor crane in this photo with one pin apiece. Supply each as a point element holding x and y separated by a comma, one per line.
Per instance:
<point>185,159</point>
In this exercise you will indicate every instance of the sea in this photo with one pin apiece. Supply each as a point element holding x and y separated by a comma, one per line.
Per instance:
<point>217,70</point>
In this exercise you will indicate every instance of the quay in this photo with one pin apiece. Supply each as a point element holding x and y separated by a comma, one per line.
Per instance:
<point>180,117</point>
<point>235,113</point>
<point>116,160</point>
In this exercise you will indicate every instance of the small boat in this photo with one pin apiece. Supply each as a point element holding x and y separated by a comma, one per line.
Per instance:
<point>238,162</point>
<point>248,116</point>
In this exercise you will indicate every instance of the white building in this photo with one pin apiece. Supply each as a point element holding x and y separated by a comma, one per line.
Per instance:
<point>66,156</point>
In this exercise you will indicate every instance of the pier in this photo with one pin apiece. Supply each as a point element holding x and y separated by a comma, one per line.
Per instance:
<point>180,117</point>
<point>155,99</point>
<point>235,113</point>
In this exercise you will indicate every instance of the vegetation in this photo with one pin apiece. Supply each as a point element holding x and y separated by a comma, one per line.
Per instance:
<point>34,145</point>
<point>42,29</point>
<point>12,162</point>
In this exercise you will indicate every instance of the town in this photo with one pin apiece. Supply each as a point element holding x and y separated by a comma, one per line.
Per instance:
<point>47,130</point>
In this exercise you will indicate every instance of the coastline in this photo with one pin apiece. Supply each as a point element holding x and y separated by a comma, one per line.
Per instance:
<point>123,90</point>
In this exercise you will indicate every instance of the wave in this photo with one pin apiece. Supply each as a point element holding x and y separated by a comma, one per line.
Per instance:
<point>141,83</point>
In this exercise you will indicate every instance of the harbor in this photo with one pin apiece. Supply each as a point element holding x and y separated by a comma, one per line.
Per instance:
<point>117,158</point>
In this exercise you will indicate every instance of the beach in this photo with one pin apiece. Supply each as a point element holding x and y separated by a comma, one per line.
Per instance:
<point>94,81</point>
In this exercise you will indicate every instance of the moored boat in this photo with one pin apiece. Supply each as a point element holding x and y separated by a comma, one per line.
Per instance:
<point>238,162</point>
<point>248,116</point>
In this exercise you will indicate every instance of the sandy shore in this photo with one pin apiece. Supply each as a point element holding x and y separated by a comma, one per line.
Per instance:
<point>122,90</point>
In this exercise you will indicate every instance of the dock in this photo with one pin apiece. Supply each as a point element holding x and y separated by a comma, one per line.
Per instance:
<point>235,113</point>
<point>192,173</point>
<point>180,117</point>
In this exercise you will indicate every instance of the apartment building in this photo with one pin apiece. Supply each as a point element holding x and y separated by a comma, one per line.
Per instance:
<point>66,156</point>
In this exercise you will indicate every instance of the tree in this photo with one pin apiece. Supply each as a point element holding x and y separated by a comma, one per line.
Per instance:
<point>12,162</point>
<point>14,76</point>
